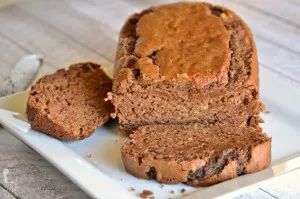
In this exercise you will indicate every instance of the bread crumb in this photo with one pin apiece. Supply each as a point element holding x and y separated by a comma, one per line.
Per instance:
<point>182,190</point>
<point>267,112</point>
<point>172,192</point>
<point>146,193</point>
<point>161,185</point>
<point>131,189</point>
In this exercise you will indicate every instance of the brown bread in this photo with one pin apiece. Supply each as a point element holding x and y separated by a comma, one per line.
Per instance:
<point>185,63</point>
<point>69,104</point>
<point>195,155</point>
<point>186,84</point>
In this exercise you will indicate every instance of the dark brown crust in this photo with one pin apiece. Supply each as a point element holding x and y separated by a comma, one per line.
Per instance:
<point>180,176</point>
<point>41,121</point>
<point>253,78</point>
<point>174,171</point>
<point>260,159</point>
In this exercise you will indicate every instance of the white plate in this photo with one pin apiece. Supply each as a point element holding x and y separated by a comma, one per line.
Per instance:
<point>95,165</point>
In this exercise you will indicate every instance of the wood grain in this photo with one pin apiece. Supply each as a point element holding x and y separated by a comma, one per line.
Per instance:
<point>9,56</point>
<point>278,9</point>
<point>57,48</point>
<point>269,28</point>
<point>97,37</point>
<point>5,194</point>
<point>28,175</point>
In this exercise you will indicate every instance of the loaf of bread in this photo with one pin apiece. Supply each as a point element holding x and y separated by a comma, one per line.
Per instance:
<point>69,104</point>
<point>186,89</point>
<point>185,63</point>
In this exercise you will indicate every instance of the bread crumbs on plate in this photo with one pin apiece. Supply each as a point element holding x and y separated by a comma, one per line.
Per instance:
<point>131,189</point>
<point>146,193</point>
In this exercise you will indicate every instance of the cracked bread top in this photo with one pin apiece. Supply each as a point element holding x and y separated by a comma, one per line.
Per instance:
<point>197,43</point>
<point>183,39</point>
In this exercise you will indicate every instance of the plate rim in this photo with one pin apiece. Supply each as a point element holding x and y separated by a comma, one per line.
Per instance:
<point>279,167</point>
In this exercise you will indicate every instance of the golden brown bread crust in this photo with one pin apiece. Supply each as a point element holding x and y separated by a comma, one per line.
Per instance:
<point>137,75</point>
<point>127,56</point>
<point>168,46</point>
<point>246,159</point>
<point>69,104</point>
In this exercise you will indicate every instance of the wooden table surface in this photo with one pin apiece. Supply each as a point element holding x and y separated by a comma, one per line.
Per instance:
<point>67,31</point>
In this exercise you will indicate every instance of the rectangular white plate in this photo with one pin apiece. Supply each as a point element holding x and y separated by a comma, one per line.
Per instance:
<point>95,164</point>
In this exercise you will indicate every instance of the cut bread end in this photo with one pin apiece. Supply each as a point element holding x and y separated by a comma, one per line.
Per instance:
<point>69,104</point>
<point>196,156</point>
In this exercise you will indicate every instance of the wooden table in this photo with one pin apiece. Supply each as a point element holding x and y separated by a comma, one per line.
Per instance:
<point>68,31</point>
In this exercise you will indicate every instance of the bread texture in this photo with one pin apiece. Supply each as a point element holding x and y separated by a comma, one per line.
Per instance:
<point>185,63</point>
<point>195,155</point>
<point>69,104</point>
<point>186,89</point>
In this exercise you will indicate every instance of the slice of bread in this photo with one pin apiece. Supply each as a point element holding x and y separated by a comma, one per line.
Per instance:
<point>195,155</point>
<point>69,104</point>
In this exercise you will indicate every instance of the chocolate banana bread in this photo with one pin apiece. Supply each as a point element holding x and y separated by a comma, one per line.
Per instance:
<point>195,155</point>
<point>69,104</point>
<point>185,63</point>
